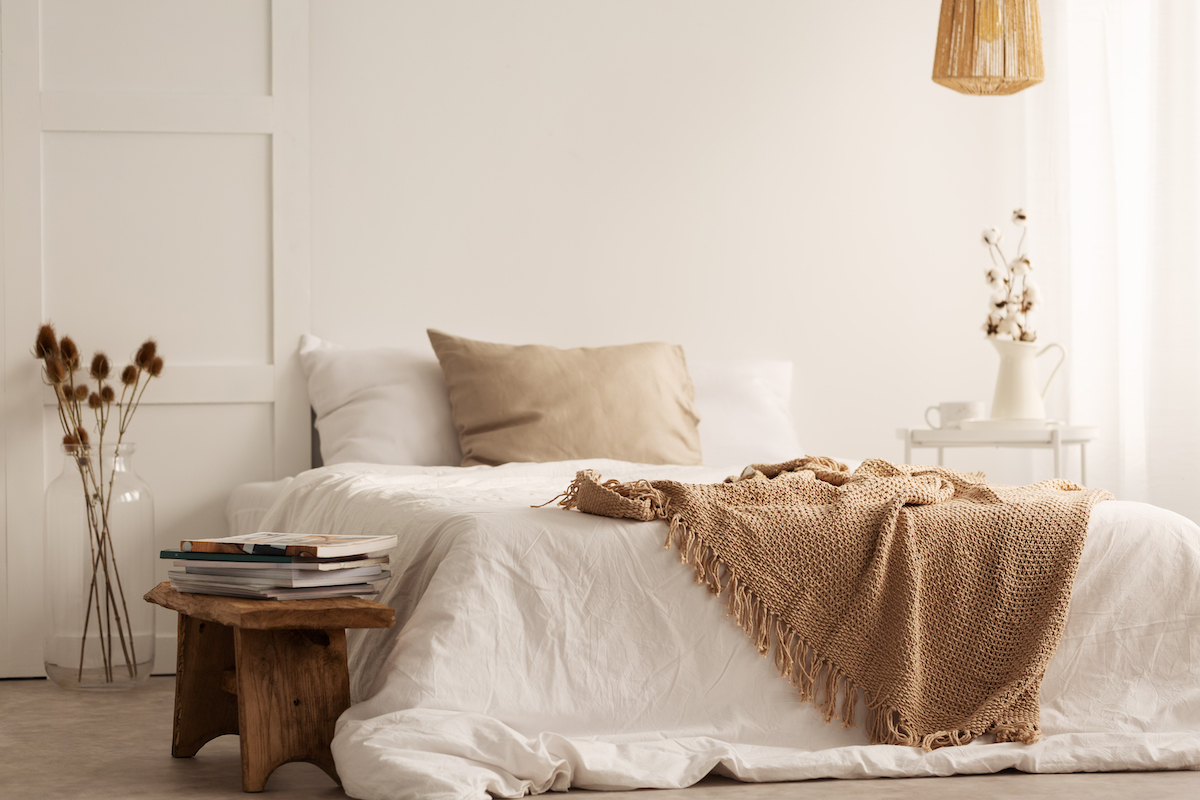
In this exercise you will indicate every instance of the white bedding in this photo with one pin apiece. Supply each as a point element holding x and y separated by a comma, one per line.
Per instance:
<point>537,649</point>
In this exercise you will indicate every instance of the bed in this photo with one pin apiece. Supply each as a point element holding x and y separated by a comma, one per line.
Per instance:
<point>538,649</point>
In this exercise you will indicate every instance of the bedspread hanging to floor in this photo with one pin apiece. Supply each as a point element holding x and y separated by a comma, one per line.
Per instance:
<point>539,649</point>
<point>940,596</point>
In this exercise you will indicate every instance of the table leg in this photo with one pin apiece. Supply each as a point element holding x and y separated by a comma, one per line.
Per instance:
<point>292,685</point>
<point>203,710</point>
<point>1056,443</point>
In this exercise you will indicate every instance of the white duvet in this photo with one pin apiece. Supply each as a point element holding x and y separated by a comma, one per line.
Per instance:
<point>541,649</point>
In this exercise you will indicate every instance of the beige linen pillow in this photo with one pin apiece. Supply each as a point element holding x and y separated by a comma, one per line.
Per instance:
<point>534,403</point>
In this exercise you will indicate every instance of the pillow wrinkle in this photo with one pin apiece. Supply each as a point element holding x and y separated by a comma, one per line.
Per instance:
<point>516,420</point>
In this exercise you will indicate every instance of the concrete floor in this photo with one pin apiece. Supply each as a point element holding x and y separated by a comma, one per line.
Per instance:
<point>58,744</point>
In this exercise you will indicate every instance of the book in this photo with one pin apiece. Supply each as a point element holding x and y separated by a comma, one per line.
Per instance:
<point>245,561</point>
<point>279,579</point>
<point>267,543</point>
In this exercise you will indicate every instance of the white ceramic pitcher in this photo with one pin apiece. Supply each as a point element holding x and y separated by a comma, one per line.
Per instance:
<point>1017,395</point>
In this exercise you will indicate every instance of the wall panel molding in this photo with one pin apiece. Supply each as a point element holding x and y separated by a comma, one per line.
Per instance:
<point>291,225</point>
<point>184,385</point>
<point>147,112</point>
<point>4,643</point>
<point>19,28</point>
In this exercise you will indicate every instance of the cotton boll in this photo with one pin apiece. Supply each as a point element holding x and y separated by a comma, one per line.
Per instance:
<point>992,236</point>
<point>1020,266</point>
<point>1031,298</point>
<point>1033,295</point>
<point>1019,217</point>
<point>1009,327</point>
<point>998,297</point>
<point>1028,335</point>
<point>995,277</point>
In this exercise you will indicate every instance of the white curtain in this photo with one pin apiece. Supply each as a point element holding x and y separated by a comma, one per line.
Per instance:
<point>1113,154</point>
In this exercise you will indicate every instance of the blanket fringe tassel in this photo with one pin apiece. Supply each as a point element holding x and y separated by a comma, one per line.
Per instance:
<point>632,500</point>
<point>817,680</point>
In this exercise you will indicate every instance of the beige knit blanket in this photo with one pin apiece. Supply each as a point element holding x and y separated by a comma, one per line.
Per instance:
<point>940,596</point>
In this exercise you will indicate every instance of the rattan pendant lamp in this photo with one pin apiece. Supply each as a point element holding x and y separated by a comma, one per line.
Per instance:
<point>989,46</point>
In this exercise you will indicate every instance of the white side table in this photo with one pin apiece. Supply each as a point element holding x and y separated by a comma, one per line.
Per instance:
<point>1054,438</point>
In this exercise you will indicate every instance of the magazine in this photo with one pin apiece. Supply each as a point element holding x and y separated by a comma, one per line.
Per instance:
<point>307,593</point>
<point>310,545</point>
<point>277,578</point>
<point>242,561</point>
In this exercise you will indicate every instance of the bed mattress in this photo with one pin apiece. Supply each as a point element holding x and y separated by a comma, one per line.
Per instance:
<point>538,649</point>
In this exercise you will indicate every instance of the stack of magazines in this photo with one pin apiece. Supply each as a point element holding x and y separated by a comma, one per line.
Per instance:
<point>281,566</point>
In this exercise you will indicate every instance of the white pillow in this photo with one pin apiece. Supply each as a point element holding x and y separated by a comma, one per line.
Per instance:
<point>745,412</point>
<point>382,405</point>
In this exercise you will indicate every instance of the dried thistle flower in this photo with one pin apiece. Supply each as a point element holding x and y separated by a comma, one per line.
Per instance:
<point>82,435</point>
<point>81,392</point>
<point>129,375</point>
<point>94,401</point>
<point>100,366</point>
<point>107,395</point>
<point>56,373</point>
<point>70,440</point>
<point>156,367</point>
<point>146,353</point>
<point>69,352</point>
<point>46,345</point>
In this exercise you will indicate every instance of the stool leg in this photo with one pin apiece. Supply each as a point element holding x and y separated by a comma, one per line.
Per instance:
<point>203,711</point>
<point>292,685</point>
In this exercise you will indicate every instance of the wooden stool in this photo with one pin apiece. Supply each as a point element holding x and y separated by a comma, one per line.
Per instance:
<point>272,671</point>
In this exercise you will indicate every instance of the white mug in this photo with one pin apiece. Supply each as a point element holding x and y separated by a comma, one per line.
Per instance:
<point>951,415</point>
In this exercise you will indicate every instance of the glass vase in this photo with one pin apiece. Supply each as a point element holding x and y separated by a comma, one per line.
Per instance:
<point>99,561</point>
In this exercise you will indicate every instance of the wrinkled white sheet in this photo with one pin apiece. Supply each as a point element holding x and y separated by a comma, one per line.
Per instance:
<point>537,649</point>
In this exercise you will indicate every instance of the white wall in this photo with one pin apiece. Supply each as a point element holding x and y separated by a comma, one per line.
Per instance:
<point>777,179</point>
<point>767,179</point>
